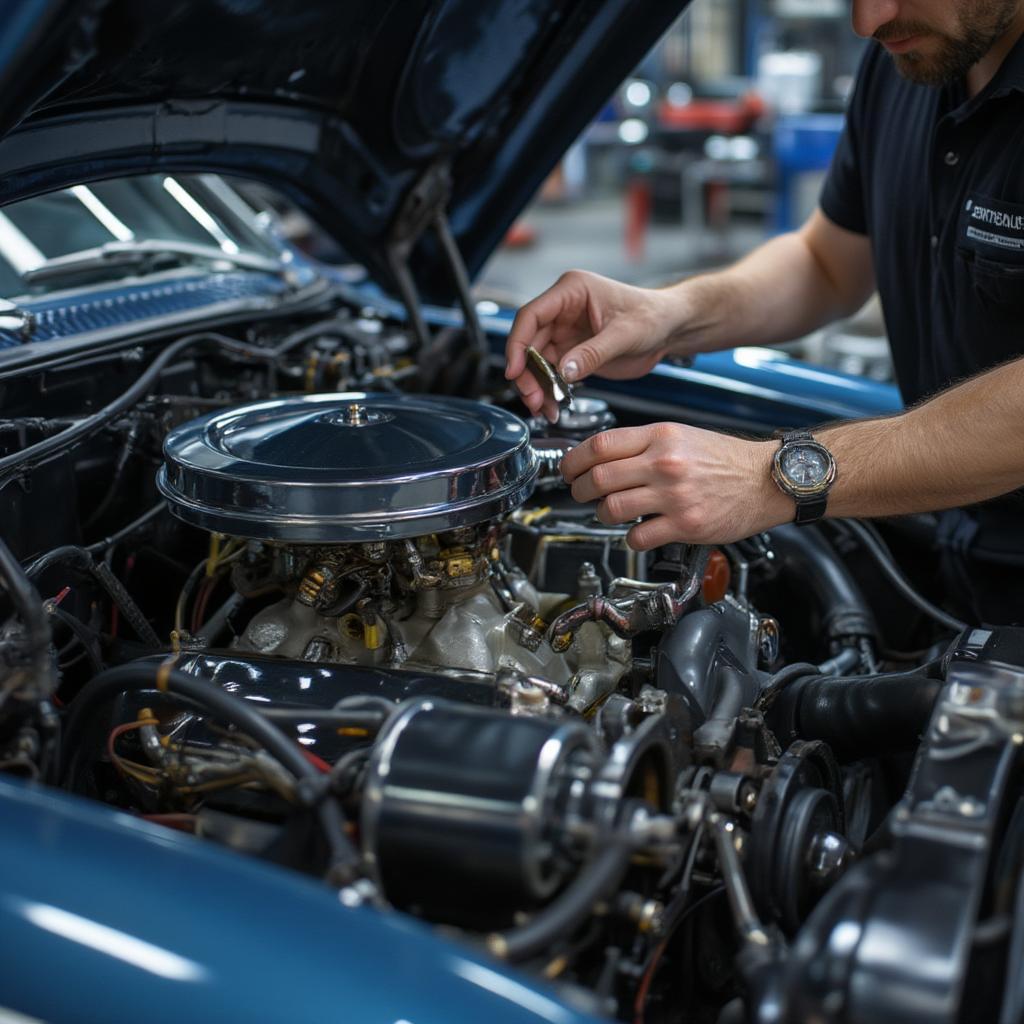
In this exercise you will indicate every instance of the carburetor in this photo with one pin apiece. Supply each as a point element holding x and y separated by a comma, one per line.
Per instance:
<point>381,520</point>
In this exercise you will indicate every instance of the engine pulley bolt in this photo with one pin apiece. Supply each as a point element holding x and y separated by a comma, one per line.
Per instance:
<point>828,857</point>
<point>647,915</point>
<point>749,799</point>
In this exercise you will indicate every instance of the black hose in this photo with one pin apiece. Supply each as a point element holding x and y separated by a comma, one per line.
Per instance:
<point>116,478</point>
<point>29,606</point>
<point>776,683</point>
<point>81,559</point>
<point>129,609</point>
<point>569,910</point>
<point>126,531</point>
<point>85,636</point>
<point>845,611</point>
<point>876,547</point>
<point>344,859</point>
<point>858,716</point>
<point>16,462</point>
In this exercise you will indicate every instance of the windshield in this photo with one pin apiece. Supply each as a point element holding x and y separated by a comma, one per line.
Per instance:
<point>193,212</point>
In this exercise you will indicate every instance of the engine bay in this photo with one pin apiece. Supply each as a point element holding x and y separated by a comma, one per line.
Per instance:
<point>289,590</point>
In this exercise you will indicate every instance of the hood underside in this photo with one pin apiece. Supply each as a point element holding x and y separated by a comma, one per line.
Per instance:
<point>368,113</point>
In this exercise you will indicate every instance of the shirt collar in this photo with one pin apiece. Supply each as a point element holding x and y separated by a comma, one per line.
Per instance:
<point>1008,78</point>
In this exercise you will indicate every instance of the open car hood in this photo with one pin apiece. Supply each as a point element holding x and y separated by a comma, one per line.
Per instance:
<point>369,114</point>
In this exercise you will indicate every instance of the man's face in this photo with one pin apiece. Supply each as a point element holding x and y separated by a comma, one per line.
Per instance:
<point>933,42</point>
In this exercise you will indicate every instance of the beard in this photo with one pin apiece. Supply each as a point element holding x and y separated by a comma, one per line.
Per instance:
<point>980,24</point>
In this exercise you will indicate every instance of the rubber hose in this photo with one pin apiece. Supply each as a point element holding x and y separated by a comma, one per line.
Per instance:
<point>568,911</point>
<point>126,604</point>
<point>845,611</point>
<point>857,717</point>
<point>109,684</point>
<point>883,556</point>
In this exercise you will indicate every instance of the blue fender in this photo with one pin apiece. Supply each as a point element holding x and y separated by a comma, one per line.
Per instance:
<point>109,919</point>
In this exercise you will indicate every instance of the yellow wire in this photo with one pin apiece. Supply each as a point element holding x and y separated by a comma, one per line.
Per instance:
<point>211,561</point>
<point>214,784</point>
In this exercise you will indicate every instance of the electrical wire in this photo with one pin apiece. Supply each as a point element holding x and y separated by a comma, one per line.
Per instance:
<point>38,453</point>
<point>83,634</point>
<point>125,767</point>
<point>135,526</point>
<point>344,859</point>
<point>651,968</point>
<point>82,559</point>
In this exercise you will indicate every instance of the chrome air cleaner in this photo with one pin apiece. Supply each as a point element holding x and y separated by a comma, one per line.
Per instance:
<point>344,468</point>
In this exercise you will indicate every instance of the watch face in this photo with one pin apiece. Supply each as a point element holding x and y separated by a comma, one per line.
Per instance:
<point>804,466</point>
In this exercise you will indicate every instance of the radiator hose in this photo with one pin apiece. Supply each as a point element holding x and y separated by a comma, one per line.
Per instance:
<point>857,716</point>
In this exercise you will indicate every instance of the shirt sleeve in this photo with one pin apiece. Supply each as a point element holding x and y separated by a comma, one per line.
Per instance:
<point>842,197</point>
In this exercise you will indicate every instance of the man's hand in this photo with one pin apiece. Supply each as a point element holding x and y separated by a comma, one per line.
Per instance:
<point>696,486</point>
<point>585,323</point>
<point>785,289</point>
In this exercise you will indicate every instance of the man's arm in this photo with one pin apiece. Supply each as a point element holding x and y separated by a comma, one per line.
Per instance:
<point>786,288</point>
<point>963,446</point>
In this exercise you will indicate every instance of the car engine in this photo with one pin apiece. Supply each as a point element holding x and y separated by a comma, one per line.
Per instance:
<point>298,605</point>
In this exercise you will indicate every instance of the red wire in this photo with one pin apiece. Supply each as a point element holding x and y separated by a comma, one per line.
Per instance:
<point>202,600</point>
<point>119,730</point>
<point>315,760</point>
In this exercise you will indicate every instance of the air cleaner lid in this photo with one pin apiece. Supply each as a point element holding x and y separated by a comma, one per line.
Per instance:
<point>341,468</point>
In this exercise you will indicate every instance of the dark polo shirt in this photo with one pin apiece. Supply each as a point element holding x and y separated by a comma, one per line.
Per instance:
<point>936,180</point>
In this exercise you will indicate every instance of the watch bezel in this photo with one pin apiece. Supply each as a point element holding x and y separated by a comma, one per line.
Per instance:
<point>794,489</point>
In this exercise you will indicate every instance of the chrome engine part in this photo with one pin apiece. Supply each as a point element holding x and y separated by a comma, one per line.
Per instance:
<point>341,468</point>
<point>381,520</point>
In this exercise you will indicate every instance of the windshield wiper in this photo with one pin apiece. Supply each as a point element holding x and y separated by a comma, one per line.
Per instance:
<point>149,250</point>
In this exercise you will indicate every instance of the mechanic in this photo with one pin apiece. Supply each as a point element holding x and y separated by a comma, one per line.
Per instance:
<point>925,201</point>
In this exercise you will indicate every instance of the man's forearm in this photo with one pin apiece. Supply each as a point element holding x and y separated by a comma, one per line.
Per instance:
<point>784,289</point>
<point>964,446</point>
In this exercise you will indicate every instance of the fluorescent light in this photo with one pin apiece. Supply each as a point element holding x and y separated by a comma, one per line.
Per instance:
<point>199,215</point>
<point>103,213</point>
<point>17,249</point>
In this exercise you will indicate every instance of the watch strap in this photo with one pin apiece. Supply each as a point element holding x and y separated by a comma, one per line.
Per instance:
<point>809,510</point>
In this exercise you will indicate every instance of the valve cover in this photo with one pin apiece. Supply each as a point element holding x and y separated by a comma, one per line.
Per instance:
<point>344,468</point>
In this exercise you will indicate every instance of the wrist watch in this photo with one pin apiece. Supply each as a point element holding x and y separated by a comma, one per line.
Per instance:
<point>805,470</point>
